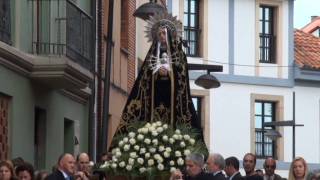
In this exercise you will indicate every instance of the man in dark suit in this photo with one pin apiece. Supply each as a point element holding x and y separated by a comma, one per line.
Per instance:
<point>65,170</point>
<point>215,165</point>
<point>269,167</point>
<point>232,169</point>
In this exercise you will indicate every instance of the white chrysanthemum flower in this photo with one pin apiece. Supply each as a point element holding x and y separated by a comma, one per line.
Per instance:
<point>151,129</point>
<point>114,165</point>
<point>114,159</point>
<point>152,150</point>
<point>121,143</point>
<point>147,155</point>
<point>180,161</point>
<point>160,130</point>
<point>140,137</point>
<point>180,137</point>
<point>156,156</point>
<point>166,154</point>
<point>178,131</point>
<point>122,164</point>
<point>143,150</point>
<point>147,125</point>
<point>155,142</point>
<point>165,126</point>
<point>182,144</point>
<point>136,147</point>
<point>140,130</point>
<point>142,170</point>
<point>129,167</point>
<point>132,141</point>
<point>168,149</point>
<point>171,163</point>
<point>145,130</point>
<point>178,154</point>
<point>186,137</point>
<point>173,169</point>
<point>105,165</point>
<point>171,140</point>
<point>132,134</point>
<point>131,161</point>
<point>140,161</point>
<point>159,123</point>
<point>115,150</point>
<point>192,141</point>
<point>125,140</point>
<point>160,167</point>
<point>118,154</point>
<point>187,152</point>
<point>175,136</point>
<point>133,154</point>
<point>154,133</point>
<point>165,138</point>
<point>161,148</point>
<point>160,160</point>
<point>154,124</point>
<point>126,147</point>
<point>150,162</point>
<point>147,141</point>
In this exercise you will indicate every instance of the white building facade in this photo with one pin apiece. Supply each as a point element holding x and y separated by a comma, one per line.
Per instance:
<point>254,41</point>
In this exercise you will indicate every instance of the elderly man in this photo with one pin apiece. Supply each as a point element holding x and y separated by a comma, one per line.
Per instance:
<point>215,165</point>
<point>249,164</point>
<point>83,167</point>
<point>269,167</point>
<point>194,169</point>
<point>65,170</point>
<point>232,169</point>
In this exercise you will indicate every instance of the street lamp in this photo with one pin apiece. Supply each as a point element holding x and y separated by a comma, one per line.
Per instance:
<point>206,81</point>
<point>149,9</point>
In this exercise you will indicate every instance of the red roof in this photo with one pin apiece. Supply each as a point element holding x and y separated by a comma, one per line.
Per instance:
<point>307,50</point>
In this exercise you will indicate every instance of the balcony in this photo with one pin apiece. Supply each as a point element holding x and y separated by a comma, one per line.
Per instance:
<point>61,28</point>
<point>5,32</point>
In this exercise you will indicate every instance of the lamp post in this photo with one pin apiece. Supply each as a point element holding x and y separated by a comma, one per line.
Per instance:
<point>206,81</point>
<point>289,123</point>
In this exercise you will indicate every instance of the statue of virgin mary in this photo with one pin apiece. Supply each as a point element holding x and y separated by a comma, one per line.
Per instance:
<point>161,91</point>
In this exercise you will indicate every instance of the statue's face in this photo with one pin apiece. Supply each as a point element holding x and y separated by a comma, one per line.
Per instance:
<point>162,36</point>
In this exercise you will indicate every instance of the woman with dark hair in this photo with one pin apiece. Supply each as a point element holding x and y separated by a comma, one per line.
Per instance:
<point>25,171</point>
<point>6,171</point>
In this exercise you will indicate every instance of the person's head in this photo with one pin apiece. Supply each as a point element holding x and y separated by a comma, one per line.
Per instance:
<point>215,162</point>
<point>298,169</point>
<point>162,36</point>
<point>232,165</point>
<point>83,162</point>
<point>41,175</point>
<point>66,163</point>
<point>6,170</point>
<point>249,163</point>
<point>269,166</point>
<point>25,171</point>
<point>194,164</point>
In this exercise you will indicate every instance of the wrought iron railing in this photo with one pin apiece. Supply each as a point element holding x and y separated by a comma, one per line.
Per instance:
<point>267,48</point>
<point>68,31</point>
<point>264,146</point>
<point>192,38</point>
<point>5,24</point>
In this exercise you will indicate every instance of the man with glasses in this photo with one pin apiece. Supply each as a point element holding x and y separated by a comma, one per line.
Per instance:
<point>269,167</point>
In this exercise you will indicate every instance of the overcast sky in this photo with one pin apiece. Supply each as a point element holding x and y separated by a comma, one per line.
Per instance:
<point>303,10</point>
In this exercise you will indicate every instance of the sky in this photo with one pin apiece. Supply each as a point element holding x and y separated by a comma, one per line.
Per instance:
<point>303,10</point>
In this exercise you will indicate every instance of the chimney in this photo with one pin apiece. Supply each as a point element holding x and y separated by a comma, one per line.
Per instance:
<point>314,17</point>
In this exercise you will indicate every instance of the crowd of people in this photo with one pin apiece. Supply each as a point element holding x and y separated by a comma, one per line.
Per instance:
<point>218,168</point>
<point>67,167</point>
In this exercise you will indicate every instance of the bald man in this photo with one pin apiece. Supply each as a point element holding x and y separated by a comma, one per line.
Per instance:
<point>270,166</point>
<point>65,170</point>
<point>83,166</point>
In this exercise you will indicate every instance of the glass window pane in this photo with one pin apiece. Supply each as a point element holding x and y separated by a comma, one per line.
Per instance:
<point>258,108</point>
<point>192,35</point>
<point>261,13</point>
<point>192,48</point>
<point>186,5</point>
<point>185,20</point>
<point>185,34</point>
<point>267,13</point>
<point>192,6</point>
<point>267,119</point>
<point>268,109</point>
<point>192,20</point>
<point>258,123</point>
<point>195,103</point>
<point>266,27</point>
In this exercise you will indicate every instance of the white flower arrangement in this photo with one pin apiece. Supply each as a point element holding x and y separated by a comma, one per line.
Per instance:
<point>152,149</point>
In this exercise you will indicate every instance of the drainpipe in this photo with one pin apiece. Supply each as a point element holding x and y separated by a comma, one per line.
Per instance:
<point>107,79</point>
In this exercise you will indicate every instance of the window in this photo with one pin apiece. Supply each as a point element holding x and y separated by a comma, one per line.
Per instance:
<point>267,48</point>
<point>197,105</point>
<point>264,112</point>
<point>191,27</point>
<point>5,31</point>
